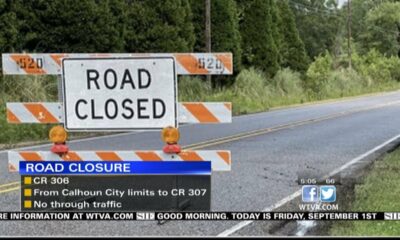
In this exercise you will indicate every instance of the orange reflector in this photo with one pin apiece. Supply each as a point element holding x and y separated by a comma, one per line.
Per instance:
<point>58,135</point>
<point>170,135</point>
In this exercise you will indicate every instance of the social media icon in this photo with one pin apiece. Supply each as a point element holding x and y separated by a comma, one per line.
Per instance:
<point>310,193</point>
<point>327,193</point>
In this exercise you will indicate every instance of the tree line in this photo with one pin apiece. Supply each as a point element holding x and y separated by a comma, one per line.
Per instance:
<point>265,34</point>
<point>260,33</point>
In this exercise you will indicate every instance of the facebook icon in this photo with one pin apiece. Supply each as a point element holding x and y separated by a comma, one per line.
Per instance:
<point>310,193</point>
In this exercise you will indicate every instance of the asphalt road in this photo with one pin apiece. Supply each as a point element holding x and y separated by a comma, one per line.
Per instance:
<point>317,138</point>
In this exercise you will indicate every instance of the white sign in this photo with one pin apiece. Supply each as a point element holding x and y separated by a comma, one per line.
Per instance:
<point>119,93</point>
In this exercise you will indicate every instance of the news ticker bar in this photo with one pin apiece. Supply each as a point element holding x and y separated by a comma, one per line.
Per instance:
<point>118,167</point>
<point>199,216</point>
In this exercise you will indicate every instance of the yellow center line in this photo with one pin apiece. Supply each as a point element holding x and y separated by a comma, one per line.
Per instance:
<point>254,133</point>
<point>10,189</point>
<point>9,184</point>
<point>258,132</point>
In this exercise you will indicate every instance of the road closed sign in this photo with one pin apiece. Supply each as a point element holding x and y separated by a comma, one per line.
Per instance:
<point>119,93</point>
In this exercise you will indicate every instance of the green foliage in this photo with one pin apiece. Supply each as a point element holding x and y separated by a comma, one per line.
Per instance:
<point>250,93</point>
<point>259,48</point>
<point>342,82</point>
<point>376,68</point>
<point>288,82</point>
<point>359,27</point>
<point>250,82</point>
<point>193,89</point>
<point>69,26</point>
<point>225,35</point>
<point>383,28</point>
<point>291,48</point>
<point>159,26</point>
<point>371,72</point>
<point>318,23</point>
<point>317,74</point>
<point>9,28</point>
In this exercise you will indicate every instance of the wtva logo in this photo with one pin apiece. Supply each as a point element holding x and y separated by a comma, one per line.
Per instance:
<point>313,194</point>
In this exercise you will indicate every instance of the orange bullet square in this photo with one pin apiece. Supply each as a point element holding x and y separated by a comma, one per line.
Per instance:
<point>27,180</point>
<point>28,204</point>
<point>28,192</point>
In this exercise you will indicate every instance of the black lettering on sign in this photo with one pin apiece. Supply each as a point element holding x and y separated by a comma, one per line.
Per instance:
<point>142,71</point>
<point>162,104</point>
<point>201,63</point>
<point>93,111</point>
<point>140,108</point>
<point>114,115</point>
<point>32,63</point>
<point>107,78</point>
<point>127,78</point>
<point>92,75</point>
<point>81,117</point>
<point>126,107</point>
<point>39,63</point>
<point>210,63</point>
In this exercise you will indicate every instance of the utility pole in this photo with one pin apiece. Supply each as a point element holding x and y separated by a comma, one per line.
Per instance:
<point>208,31</point>
<point>349,31</point>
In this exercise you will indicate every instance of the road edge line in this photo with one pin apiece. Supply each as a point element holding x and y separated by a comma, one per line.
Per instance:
<point>292,196</point>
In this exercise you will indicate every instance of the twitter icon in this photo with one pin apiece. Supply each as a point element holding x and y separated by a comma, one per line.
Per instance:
<point>327,193</point>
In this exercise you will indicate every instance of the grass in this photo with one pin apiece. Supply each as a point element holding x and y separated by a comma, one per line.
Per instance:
<point>380,192</point>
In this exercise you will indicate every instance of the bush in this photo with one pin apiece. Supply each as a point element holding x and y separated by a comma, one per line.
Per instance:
<point>250,91</point>
<point>342,82</point>
<point>317,74</point>
<point>374,67</point>
<point>193,89</point>
<point>287,82</point>
<point>393,64</point>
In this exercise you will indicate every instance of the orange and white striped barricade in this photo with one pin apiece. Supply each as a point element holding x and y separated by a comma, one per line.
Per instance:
<point>52,112</point>
<point>50,63</point>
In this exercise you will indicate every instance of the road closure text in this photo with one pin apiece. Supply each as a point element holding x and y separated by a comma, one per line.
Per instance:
<point>119,93</point>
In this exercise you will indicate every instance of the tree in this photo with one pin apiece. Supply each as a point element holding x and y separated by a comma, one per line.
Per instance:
<point>9,27</point>
<point>225,34</point>
<point>382,28</point>
<point>359,10</point>
<point>70,26</point>
<point>318,23</point>
<point>276,26</point>
<point>291,47</point>
<point>259,48</point>
<point>159,26</point>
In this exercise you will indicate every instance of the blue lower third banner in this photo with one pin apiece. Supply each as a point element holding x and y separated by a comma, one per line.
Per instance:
<point>116,168</point>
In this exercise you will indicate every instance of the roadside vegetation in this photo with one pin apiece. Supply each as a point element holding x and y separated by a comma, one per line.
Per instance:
<point>378,193</point>
<point>253,91</point>
<point>278,58</point>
